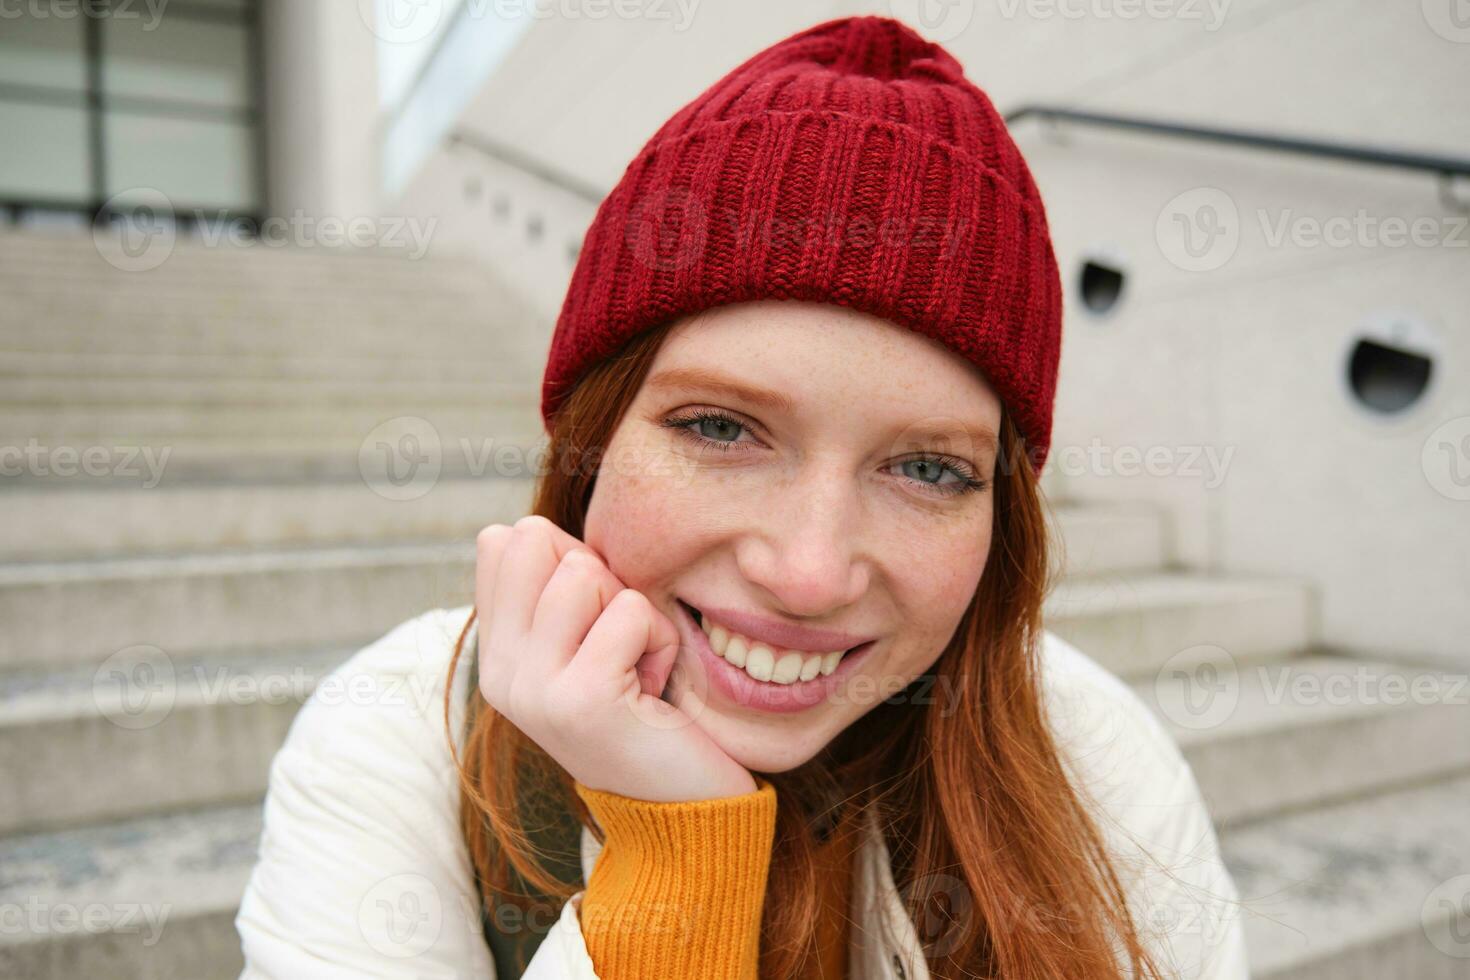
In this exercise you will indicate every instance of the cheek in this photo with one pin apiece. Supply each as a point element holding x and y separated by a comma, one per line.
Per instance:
<point>936,584</point>
<point>641,524</point>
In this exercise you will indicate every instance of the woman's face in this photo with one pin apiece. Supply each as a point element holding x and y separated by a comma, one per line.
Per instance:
<point>827,488</point>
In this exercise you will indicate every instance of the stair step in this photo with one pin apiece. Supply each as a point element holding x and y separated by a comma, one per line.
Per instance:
<point>80,522</point>
<point>1365,890</point>
<point>1269,737</point>
<point>81,612</point>
<point>498,384</point>
<point>82,745</point>
<point>153,897</point>
<point>162,426</point>
<point>1096,539</point>
<point>330,367</point>
<point>1136,623</point>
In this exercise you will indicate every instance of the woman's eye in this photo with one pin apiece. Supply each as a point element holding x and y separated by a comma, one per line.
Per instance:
<point>929,471</point>
<point>709,428</point>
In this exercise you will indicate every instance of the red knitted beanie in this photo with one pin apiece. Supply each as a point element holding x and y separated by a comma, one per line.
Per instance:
<point>851,163</point>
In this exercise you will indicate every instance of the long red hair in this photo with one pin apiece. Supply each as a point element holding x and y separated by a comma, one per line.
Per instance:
<point>1000,864</point>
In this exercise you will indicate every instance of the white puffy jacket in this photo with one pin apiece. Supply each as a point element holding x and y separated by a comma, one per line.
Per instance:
<point>362,871</point>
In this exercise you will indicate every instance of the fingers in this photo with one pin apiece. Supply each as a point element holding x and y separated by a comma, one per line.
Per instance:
<point>489,549</point>
<point>576,594</point>
<point>535,548</point>
<point>630,634</point>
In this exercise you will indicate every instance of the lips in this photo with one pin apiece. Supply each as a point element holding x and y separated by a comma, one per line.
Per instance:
<point>741,688</point>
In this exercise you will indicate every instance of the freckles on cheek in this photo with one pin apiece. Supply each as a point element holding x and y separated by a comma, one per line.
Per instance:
<point>638,523</point>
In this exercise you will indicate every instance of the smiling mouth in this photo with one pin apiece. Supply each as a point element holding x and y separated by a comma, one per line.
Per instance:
<point>764,662</point>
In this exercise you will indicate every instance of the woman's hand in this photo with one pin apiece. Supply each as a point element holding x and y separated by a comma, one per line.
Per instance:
<point>577,662</point>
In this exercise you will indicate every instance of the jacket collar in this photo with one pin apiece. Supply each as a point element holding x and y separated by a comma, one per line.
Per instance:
<point>883,943</point>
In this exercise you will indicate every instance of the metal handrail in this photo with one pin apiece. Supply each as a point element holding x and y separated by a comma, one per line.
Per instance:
<point>1447,168</point>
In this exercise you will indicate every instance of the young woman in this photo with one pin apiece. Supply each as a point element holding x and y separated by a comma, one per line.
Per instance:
<point>762,687</point>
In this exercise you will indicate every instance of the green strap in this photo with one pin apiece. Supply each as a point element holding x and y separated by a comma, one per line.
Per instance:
<point>512,934</point>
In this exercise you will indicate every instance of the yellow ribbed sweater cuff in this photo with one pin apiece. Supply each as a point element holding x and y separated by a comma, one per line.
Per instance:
<point>678,887</point>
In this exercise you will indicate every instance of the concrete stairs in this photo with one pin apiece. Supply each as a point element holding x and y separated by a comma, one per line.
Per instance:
<point>259,562</point>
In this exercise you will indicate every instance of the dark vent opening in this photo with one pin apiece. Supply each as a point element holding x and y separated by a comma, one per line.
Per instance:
<point>1387,379</point>
<point>1101,286</point>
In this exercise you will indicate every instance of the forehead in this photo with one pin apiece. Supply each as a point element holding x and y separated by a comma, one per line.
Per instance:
<point>813,361</point>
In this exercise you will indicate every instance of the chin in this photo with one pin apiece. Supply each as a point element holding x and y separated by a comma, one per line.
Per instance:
<point>760,751</point>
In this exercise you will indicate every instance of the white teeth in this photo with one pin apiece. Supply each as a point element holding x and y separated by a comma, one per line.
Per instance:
<point>764,664</point>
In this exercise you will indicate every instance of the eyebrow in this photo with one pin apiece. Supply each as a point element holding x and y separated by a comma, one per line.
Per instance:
<point>703,379</point>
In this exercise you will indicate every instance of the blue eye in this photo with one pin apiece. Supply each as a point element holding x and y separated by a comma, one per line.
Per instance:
<point>710,421</point>
<point>938,465</point>
<point>687,424</point>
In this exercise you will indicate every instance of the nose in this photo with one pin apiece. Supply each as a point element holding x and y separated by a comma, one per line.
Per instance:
<point>803,545</point>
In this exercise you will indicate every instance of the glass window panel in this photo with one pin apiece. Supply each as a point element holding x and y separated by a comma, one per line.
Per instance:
<point>43,155</point>
<point>202,62</point>
<point>42,51</point>
<point>197,163</point>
